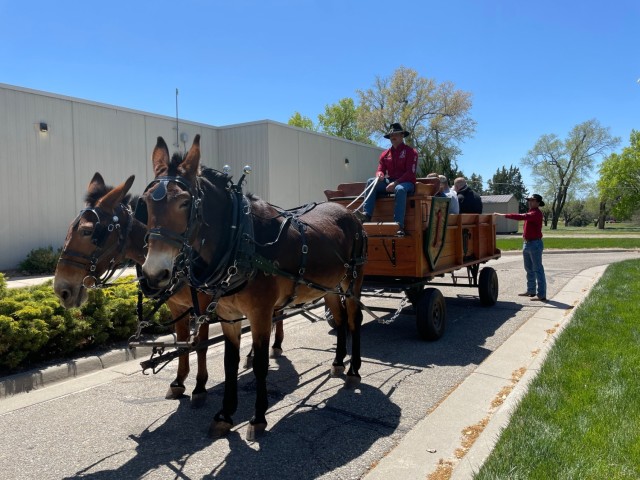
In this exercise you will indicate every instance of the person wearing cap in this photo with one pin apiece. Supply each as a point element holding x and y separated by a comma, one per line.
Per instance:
<point>454,206</point>
<point>532,248</point>
<point>396,174</point>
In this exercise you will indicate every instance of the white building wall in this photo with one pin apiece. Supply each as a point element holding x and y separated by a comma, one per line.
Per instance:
<point>44,176</point>
<point>241,145</point>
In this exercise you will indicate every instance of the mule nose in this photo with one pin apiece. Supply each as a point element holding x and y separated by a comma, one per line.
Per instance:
<point>157,279</point>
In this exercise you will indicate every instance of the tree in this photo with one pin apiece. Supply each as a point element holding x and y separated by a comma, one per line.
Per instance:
<point>341,120</point>
<point>559,166</point>
<point>476,184</point>
<point>509,182</point>
<point>619,183</point>
<point>298,120</point>
<point>436,115</point>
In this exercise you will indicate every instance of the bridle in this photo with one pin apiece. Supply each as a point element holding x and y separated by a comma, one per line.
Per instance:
<point>105,226</point>
<point>181,241</point>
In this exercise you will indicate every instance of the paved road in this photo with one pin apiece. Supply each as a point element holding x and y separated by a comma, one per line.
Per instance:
<point>116,424</point>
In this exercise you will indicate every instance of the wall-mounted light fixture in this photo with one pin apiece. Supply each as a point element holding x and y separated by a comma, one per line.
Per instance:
<point>44,128</point>
<point>346,161</point>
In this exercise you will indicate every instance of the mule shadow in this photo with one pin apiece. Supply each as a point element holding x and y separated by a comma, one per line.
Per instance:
<point>468,327</point>
<point>171,440</point>
<point>314,433</point>
<point>317,437</point>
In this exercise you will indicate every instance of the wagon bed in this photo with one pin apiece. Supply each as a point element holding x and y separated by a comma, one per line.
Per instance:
<point>436,243</point>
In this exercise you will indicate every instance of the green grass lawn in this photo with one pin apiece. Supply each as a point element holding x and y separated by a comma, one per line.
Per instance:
<point>515,243</point>
<point>581,416</point>
<point>610,229</point>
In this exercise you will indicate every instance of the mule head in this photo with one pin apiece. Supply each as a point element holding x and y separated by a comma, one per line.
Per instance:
<point>171,204</point>
<point>91,245</point>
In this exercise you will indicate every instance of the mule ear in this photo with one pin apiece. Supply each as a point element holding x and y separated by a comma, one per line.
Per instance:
<point>191,163</point>
<point>96,184</point>
<point>115,196</point>
<point>160,158</point>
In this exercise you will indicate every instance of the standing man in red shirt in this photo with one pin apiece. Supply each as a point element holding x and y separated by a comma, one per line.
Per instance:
<point>532,248</point>
<point>396,174</point>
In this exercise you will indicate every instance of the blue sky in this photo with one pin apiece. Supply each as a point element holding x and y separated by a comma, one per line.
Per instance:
<point>532,67</point>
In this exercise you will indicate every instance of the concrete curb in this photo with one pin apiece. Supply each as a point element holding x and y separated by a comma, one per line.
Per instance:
<point>27,381</point>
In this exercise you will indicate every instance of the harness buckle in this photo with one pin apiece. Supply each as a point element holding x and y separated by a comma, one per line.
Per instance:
<point>92,283</point>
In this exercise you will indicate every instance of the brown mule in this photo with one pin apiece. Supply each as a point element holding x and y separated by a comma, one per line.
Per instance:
<point>254,259</point>
<point>100,240</point>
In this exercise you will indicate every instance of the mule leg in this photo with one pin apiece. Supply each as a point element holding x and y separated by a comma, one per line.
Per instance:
<point>177,388</point>
<point>355,325</point>
<point>199,394</point>
<point>222,421</point>
<point>261,333</point>
<point>276,348</point>
<point>337,310</point>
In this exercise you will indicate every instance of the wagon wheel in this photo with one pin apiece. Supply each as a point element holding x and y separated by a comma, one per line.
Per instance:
<point>488,286</point>
<point>431,314</point>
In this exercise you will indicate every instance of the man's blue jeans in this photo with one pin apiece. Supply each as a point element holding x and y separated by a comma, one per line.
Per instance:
<point>532,253</point>
<point>401,191</point>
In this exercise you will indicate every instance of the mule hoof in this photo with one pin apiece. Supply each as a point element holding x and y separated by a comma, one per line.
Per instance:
<point>248,362</point>
<point>219,429</point>
<point>198,399</point>
<point>276,352</point>
<point>352,382</point>
<point>175,392</point>
<point>255,431</point>
<point>337,370</point>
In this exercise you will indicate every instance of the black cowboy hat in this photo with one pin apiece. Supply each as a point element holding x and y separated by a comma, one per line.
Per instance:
<point>536,197</point>
<point>396,128</point>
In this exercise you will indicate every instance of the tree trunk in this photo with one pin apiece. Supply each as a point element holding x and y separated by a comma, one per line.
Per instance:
<point>602,215</point>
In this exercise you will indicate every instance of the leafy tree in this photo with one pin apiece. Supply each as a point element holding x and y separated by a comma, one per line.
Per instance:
<point>341,120</point>
<point>573,212</point>
<point>300,121</point>
<point>559,166</point>
<point>476,184</point>
<point>436,114</point>
<point>509,182</point>
<point>619,182</point>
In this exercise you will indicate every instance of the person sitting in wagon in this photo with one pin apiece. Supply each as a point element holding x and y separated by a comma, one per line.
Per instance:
<point>396,174</point>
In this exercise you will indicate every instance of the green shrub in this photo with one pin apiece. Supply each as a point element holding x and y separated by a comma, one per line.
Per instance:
<point>41,260</point>
<point>3,285</point>
<point>34,327</point>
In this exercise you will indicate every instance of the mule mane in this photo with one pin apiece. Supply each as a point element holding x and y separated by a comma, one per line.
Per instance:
<point>215,177</point>
<point>174,163</point>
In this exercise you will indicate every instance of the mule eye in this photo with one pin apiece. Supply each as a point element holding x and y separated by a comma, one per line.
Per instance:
<point>86,232</point>
<point>186,204</point>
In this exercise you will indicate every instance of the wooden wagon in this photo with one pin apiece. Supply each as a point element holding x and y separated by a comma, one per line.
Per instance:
<point>436,244</point>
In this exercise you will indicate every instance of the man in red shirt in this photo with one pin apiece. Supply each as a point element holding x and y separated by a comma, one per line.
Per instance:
<point>532,248</point>
<point>396,174</point>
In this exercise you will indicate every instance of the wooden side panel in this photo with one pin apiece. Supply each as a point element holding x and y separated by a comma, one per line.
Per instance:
<point>393,257</point>
<point>470,239</point>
